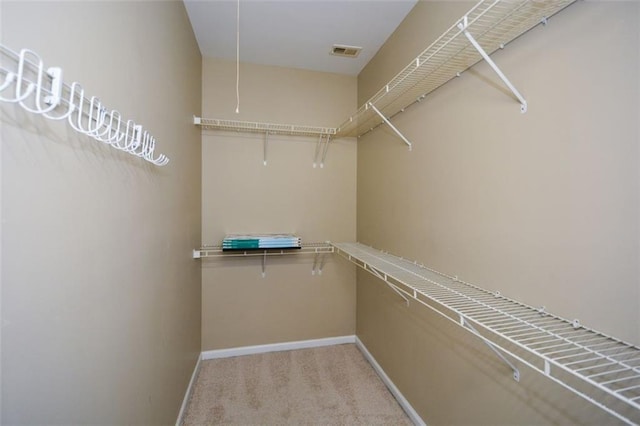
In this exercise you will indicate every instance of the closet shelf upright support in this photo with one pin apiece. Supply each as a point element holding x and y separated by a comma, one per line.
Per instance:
<point>464,27</point>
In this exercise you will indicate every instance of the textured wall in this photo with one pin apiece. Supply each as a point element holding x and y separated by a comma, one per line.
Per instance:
<point>241,195</point>
<point>541,206</point>
<point>100,295</point>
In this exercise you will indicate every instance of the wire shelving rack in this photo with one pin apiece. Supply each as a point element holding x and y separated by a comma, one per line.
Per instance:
<point>324,134</point>
<point>257,127</point>
<point>319,250</point>
<point>599,368</point>
<point>487,27</point>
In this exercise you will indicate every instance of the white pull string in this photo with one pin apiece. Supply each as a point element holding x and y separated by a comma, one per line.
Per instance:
<point>238,59</point>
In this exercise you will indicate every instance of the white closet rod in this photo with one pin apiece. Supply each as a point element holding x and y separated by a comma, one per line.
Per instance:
<point>41,90</point>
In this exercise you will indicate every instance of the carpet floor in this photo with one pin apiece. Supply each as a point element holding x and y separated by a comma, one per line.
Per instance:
<point>332,385</point>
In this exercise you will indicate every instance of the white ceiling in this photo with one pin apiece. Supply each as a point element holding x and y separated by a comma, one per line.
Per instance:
<point>296,33</point>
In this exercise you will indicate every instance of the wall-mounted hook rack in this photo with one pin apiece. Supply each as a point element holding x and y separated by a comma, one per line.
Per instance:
<point>42,91</point>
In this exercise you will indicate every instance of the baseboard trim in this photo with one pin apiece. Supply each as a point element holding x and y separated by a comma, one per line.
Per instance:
<point>187,394</point>
<point>277,347</point>
<point>413,415</point>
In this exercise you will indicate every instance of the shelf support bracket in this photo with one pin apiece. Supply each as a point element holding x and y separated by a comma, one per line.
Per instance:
<point>266,142</point>
<point>384,278</point>
<point>466,324</point>
<point>324,152</point>
<point>318,263</point>
<point>318,145</point>
<point>322,146</point>
<point>323,259</point>
<point>264,264</point>
<point>315,263</point>
<point>463,25</point>
<point>400,135</point>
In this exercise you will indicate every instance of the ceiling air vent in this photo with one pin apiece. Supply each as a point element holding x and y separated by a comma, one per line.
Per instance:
<point>348,51</point>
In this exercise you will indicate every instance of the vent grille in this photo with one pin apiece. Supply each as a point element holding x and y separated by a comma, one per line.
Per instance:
<point>347,51</point>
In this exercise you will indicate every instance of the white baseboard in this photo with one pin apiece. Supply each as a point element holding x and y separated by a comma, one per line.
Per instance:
<point>276,347</point>
<point>302,344</point>
<point>187,394</point>
<point>413,415</point>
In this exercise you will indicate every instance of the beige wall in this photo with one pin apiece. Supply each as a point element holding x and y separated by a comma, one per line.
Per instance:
<point>100,295</point>
<point>541,206</point>
<point>240,195</point>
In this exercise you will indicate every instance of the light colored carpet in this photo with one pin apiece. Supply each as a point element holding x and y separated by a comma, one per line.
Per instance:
<point>332,385</point>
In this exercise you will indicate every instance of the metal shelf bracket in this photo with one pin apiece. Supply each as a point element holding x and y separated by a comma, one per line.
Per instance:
<point>266,143</point>
<point>318,263</point>
<point>466,324</point>
<point>463,25</point>
<point>322,146</point>
<point>400,135</point>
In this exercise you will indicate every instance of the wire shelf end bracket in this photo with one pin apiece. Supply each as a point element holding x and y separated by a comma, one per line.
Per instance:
<point>388,123</point>
<point>463,25</point>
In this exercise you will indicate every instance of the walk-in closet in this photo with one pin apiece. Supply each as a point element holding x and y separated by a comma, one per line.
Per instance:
<point>320,212</point>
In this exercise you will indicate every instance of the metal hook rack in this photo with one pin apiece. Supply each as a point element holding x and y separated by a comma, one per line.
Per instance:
<point>41,91</point>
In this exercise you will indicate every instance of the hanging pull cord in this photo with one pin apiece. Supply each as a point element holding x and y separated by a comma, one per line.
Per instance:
<point>238,59</point>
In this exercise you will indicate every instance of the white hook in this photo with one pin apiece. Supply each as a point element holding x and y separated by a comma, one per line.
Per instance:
<point>144,147</point>
<point>79,108</point>
<point>53,98</point>
<point>23,96</point>
<point>127,136</point>
<point>95,105</point>
<point>130,139</point>
<point>115,135</point>
<point>100,135</point>
<point>161,160</point>
<point>8,79</point>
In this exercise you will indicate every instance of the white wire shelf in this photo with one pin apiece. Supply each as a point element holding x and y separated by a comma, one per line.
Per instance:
<point>319,250</point>
<point>492,23</point>
<point>256,127</point>
<point>324,134</point>
<point>307,248</point>
<point>599,368</point>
